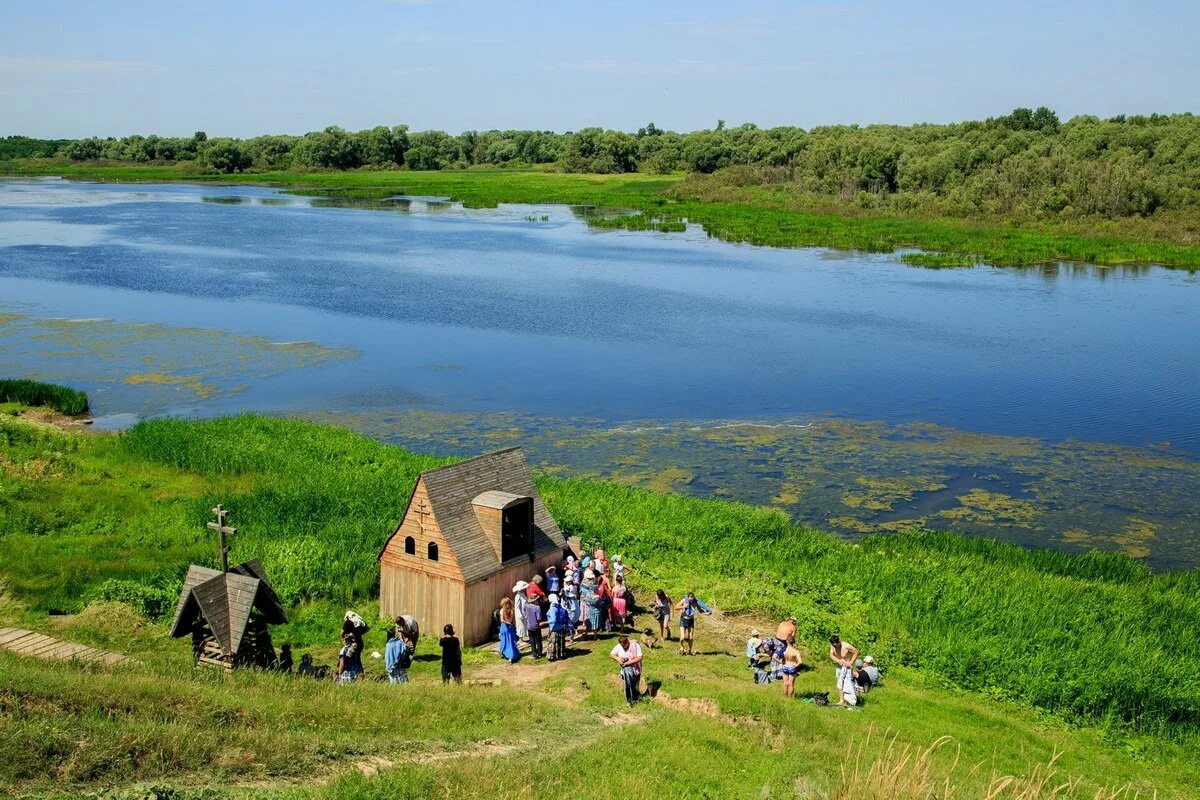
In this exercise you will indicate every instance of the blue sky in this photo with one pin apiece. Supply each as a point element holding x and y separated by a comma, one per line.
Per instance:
<point>70,68</point>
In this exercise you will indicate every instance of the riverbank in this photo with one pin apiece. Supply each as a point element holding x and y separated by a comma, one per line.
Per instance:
<point>315,502</point>
<point>755,215</point>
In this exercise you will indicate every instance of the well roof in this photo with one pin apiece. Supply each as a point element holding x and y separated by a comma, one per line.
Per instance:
<point>225,599</point>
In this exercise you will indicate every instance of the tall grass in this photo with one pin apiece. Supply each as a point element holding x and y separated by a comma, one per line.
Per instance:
<point>1095,638</point>
<point>34,393</point>
<point>902,772</point>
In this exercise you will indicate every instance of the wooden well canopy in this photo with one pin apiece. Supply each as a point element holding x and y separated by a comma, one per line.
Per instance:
<point>227,614</point>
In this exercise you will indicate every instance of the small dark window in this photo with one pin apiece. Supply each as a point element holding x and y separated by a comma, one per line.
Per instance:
<point>433,551</point>
<point>516,530</point>
<point>410,545</point>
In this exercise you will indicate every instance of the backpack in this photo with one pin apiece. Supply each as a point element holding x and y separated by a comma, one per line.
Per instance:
<point>405,658</point>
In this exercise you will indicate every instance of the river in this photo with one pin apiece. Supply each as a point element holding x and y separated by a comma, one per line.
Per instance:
<point>1055,406</point>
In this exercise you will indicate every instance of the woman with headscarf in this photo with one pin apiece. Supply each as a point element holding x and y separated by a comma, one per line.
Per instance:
<point>570,594</point>
<point>603,600</point>
<point>509,646</point>
<point>588,601</point>
<point>519,602</point>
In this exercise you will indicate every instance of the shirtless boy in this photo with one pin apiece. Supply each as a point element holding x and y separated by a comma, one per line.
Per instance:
<point>843,654</point>
<point>791,665</point>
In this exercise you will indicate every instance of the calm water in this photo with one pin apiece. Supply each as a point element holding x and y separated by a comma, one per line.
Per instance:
<point>488,310</point>
<point>524,310</point>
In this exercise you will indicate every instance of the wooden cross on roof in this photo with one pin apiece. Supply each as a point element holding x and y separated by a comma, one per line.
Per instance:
<point>222,530</point>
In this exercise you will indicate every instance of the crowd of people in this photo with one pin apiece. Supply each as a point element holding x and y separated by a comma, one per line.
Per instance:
<point>585,598</point>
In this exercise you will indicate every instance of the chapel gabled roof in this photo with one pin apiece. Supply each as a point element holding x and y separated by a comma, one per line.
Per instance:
<point>451,490</point>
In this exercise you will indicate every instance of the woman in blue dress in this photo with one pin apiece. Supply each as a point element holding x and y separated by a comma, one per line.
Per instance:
<point>508,631</point>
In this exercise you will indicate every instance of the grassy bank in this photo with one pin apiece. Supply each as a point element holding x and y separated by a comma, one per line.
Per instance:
<point>754,215</point>
<point>86,520</point>
<point>1087,637</point>
<point>34,393</point>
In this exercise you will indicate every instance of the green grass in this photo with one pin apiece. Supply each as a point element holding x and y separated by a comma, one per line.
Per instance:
<point>1088,637</point>
<point>71,402</point>
<point>1009,651</point>
<point>753,215</point>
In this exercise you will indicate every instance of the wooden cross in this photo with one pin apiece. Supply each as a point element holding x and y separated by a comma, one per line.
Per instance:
<point>422,512</point>
<point>222,530</point>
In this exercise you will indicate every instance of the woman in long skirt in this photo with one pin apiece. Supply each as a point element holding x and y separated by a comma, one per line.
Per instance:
<point>620,608</point>
<point>519,603</point>
<point>508,632</point>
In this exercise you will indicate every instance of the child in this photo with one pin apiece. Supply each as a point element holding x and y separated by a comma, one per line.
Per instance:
<point>451,656</point>
<point>560,624</point>
<point>752,645</point>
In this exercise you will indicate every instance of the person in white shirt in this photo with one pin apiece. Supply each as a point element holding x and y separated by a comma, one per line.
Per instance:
<point>871,670</point>
<point>629,655</point>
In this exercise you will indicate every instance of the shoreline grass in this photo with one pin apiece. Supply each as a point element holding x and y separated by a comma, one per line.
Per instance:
<point>761,217</point>
<point>71,402</point>
<point>315,503</point>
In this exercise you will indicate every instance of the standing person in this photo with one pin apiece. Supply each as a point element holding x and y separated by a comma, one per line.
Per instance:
<point>570,597</point>
<point>843,654</point>
<point>791,666</point>
<point>688,608</point>
<point>591,602</point>
<point>752,645</point>
<point>662,613</point>
<point>397,657</point>
<point>533,623</point>
<point>620,604</point>
<point>599,561</point>
<point>786,629</point>
<point>629,655</point>
<point>349,665</point>
<point>509,643</point>
<point>620,569</point>
<point>451,656</point>
<point>559,622</point>
<point>535,592</point>
<point>604,600</point>
<point>520,600</point>
<point>553,580</point>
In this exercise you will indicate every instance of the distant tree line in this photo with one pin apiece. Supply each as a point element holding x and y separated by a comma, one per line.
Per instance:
<point>1026,160</point>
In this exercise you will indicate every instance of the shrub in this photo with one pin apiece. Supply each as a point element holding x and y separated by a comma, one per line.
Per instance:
<point>152,601</point>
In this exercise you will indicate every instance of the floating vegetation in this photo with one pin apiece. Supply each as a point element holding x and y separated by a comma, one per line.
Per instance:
<point>939,260</point>
<point>144,366</point>
<point>858,477</point>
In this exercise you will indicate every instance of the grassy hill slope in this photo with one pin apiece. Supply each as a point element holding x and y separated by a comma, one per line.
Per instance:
<point>1059,653</point>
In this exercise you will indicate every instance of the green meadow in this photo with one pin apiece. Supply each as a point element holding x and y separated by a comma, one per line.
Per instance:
<point>759,215</point>
<point>1020,657</point>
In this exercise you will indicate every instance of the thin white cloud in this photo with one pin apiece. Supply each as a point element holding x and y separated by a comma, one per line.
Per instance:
<point>37,65</point>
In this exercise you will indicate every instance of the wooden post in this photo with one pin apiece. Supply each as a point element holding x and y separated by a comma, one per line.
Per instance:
<point>222,530</point>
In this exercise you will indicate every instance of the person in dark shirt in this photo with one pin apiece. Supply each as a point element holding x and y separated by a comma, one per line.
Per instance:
<point>533,620</point>
<point>451,656</point>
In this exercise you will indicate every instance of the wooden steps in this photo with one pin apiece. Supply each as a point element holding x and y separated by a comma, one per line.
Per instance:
<point>38,645</point>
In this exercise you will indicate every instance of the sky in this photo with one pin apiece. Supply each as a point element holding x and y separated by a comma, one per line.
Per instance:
<point>71,68</point>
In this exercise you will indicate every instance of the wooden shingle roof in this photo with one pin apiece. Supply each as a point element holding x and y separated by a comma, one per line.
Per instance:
<point>452,489</point>
<point>225,599</point>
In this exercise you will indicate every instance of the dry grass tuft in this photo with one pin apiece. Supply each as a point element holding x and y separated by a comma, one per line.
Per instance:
<point>902,772</point>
